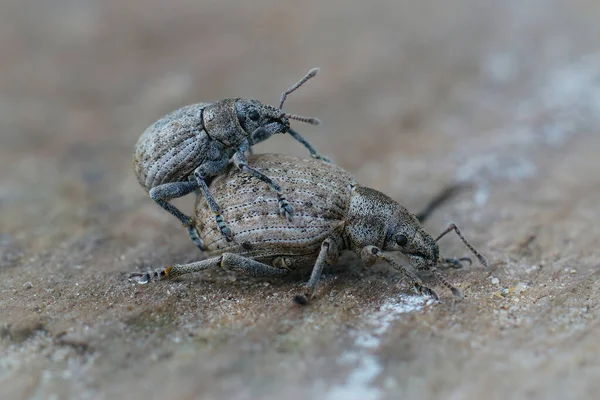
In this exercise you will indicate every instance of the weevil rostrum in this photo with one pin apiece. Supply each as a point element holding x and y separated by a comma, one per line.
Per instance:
<point>333,213</point>
<point>179,152</point>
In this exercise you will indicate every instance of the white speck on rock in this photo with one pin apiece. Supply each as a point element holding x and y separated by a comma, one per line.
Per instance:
<point>358,384</point>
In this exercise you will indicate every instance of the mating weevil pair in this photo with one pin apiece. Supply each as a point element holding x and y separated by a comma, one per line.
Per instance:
<point>182,151</point>
<point>333,213</point>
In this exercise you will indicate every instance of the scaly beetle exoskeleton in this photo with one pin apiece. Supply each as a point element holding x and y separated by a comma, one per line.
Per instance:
<point>333,213</point>
<point>179,152</point>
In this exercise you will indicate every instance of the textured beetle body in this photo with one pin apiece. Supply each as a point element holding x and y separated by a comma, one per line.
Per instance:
<point>180,152</point>
<point>318,192</point>
<point>333,213</point>
<point>171,148</point>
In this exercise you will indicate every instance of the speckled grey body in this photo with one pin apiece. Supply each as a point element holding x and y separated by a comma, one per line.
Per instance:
<point>170,149</point>
<point>320,194</point>
<point>179,152</point>
<point>333,213</point>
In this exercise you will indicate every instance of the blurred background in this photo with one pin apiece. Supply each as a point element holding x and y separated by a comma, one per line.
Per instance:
<point>413,95</point>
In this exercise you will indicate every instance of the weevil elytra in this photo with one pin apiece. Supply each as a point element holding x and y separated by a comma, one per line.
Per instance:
<point>333,213</point>
<point>179,152</point>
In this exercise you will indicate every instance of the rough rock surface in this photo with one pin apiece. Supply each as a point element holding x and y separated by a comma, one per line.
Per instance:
<point>414,95</point>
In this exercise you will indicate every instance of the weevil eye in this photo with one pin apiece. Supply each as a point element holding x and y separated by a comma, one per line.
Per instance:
<point>253,115</point>
<point>401,240</point>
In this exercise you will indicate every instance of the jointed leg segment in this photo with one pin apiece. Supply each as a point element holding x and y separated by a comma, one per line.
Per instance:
<point>453,227</point>
<point>454,262</point>
<point>370,254</point>
<point>313,152</point>
<point>193,234</point>
<point>163,193</point>
<point>230,261</point>
<point>328,254</point>
<point>212,203</point>
<point>239,158</point>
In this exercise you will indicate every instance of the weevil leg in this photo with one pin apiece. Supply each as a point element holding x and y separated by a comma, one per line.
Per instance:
<point>313,152</point>
<point>328,255</point>
<point>454,262</point>
<point>250,267</point>
<point>455,291</point>
<point>230,261</point>
<point>453,227</point>
<point>193,234</point>
<point>174,270</point>
<point>200,174</point>
<point>197,191</point>
<point>428,267</point>
<point>191,228</point>
<point>264,132</point>
<point>369,254</point>
<point>163,193</point>
<point>239,159</point>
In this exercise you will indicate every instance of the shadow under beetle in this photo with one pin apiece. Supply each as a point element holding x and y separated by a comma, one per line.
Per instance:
<point>179,152</point>
<point>333,213</point>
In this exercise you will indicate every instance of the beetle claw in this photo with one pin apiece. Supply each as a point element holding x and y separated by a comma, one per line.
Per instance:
<point>427,291</point>
<point>301,299</point>
<point>322,158</point>
<point>285,209</point>
<point>226,233</point>
<point>140,278</point>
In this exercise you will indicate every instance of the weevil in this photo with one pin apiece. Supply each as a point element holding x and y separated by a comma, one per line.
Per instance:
<point>333,213</point>
<point>179,152</point>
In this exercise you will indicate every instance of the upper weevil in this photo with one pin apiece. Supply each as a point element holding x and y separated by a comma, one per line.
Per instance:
<point>333,213</point>
<point>179,152</point>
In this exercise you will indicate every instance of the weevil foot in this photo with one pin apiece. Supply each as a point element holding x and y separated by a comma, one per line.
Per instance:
<point>139,277</point>
<point>427,291</point>
<point>193,234</point>
<point>301,299</point>
<point>285,209</point>
<point>143,278</point>
<point>455,262</point>
<point>322,158</point>
<point>223,228</point>
<point>457,293</point>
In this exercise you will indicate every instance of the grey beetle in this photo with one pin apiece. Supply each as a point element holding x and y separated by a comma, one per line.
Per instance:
<point>179,152</point>
<point>333,213</point>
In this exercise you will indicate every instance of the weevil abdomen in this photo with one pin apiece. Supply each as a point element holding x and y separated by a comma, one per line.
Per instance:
<point>171,148</point>
<point>318,192</point>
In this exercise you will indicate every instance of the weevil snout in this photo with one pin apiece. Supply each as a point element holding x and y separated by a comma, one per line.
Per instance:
<point>252,114</point>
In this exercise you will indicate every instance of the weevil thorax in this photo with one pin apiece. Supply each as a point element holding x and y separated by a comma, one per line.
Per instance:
<point>221,123</point>
<point>377,220</point>
<point>368,217</point>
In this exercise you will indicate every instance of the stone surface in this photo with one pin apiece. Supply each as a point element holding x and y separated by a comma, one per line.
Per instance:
<point>413,96</point>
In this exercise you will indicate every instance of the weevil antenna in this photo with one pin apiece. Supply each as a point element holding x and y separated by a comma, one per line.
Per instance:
<point>308,120</point>
<point>301,82</point>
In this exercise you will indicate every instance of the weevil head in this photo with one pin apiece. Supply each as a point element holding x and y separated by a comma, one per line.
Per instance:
<point>231,121</point>
<point>377,220</point>
<point>252,114</point>
<point>406,235</point>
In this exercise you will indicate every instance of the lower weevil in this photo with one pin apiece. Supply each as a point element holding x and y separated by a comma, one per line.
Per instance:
<point>333,213</point>
<point>179,152</point>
